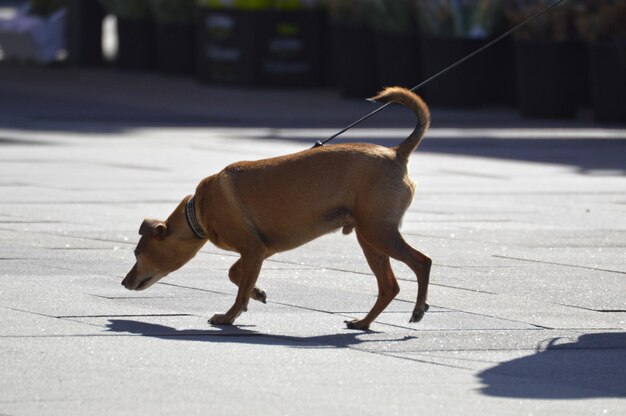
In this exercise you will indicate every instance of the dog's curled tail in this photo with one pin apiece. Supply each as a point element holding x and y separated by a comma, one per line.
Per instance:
<point>411,100</point>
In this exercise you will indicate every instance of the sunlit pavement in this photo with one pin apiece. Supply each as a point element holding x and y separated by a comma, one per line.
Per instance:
<point>524,221</point>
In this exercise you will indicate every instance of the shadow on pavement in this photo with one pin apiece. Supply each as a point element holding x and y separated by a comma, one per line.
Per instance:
<point>584,155</point>
<point>111,102</point>
<point>593,366</point>
<point>238,334</point>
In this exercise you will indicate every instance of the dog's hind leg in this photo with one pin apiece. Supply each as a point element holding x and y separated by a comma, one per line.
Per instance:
<point>387,238</point>
<point>387,284</point>
<point>234,274</point>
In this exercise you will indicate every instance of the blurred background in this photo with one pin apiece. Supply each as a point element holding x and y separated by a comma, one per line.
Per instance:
<point>571,60</point>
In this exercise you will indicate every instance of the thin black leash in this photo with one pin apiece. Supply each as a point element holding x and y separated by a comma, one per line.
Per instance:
<point>320,143</point>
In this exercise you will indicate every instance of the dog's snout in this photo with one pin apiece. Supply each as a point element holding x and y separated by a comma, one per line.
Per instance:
<point>130,277</point>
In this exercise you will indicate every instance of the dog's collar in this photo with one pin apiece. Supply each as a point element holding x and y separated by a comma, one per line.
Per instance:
<point>192,219</point>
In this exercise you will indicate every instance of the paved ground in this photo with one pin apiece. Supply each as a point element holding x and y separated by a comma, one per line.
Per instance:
<point>524,220</point>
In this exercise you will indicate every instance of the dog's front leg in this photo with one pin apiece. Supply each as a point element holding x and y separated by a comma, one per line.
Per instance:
<point>234,274</point>
<point>251,261</point>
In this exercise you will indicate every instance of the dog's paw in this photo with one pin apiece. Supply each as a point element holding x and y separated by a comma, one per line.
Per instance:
<point>357,324</point>
<point>259,294</point>
<point>418,314</point>
<point>220,319</point>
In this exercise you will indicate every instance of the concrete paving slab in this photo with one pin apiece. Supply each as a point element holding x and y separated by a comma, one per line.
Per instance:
<point>19,323</point>
<point>217,374</point>
<point>527,310</point>
<point>523,219</point>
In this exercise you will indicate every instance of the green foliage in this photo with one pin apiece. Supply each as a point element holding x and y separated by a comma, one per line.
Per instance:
<point>46,7</point>
<point>352,12</point>
<point>458,18</point>
<point>237,4</point>
<point>604,21</point>
<point>179,11</point>
<point>260,4</point>
<point>292,4</point>
<point>559,24</point>
<point>398,16</point>
<point>130,9</point>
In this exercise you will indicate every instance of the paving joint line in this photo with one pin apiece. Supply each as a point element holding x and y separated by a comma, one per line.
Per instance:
<point>589,309</point>
<point>355,272</point>
<point>559,264</point>
<point>129,315</point>
<point>308,266</point>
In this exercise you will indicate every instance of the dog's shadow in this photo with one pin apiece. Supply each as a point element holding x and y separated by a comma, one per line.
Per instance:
<point>239,334</point>
<point>593,366</point>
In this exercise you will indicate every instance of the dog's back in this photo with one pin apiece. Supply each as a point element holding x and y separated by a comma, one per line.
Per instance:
<point>295,198</point>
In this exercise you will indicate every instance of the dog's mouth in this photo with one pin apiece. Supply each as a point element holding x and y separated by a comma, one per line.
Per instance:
<point>144,283</point>
<point>139,281</point>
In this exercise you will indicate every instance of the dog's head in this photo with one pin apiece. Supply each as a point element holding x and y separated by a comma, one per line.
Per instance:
<point>164,246</point>
<point>153,256</point>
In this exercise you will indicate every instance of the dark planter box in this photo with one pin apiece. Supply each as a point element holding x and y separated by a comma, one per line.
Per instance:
<point>607,70</point>
<point>292,49</point>
<point>354,51</point>
<point>260,47</point>
<point>175,47</point>
<point>398,59</point>
<point>84,32</point>
<point>551,78</point>
<point>488,78</point>
<point>136,44</point>
<point>229,46</point>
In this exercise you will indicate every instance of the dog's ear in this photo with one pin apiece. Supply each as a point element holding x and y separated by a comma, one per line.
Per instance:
<point>153,228</point>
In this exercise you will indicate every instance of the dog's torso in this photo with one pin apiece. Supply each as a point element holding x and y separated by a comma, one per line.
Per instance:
<point>290,200</point>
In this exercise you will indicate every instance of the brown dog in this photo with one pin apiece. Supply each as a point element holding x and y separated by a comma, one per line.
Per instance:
<point>273,205</point>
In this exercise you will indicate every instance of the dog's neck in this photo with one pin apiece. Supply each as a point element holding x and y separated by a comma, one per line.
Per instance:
<point>192,219</point>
